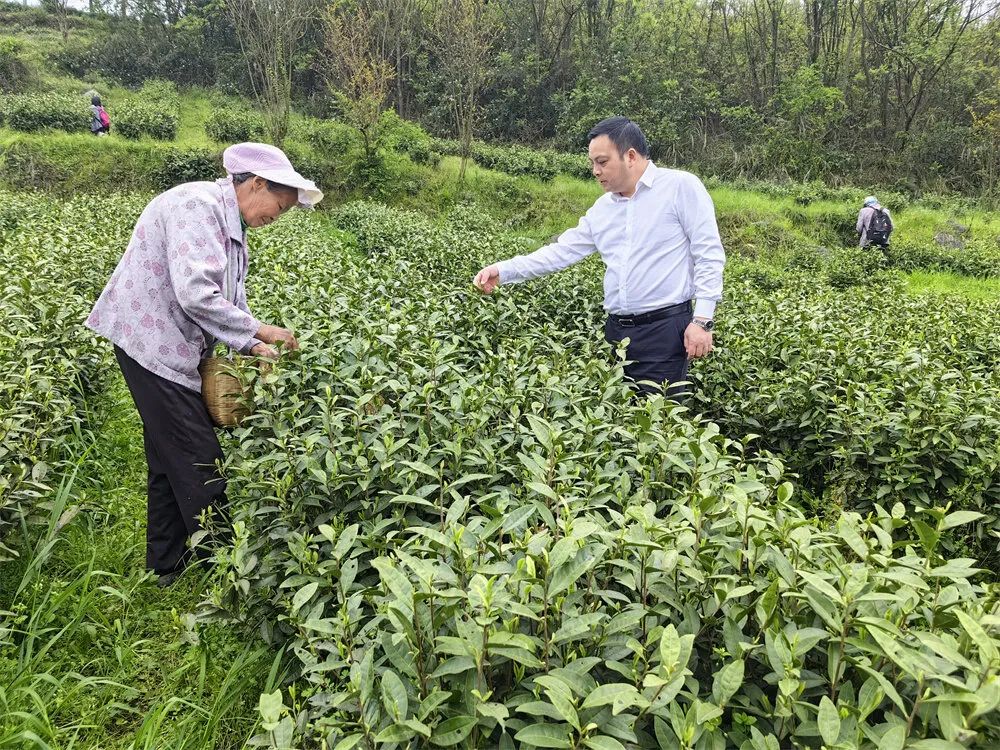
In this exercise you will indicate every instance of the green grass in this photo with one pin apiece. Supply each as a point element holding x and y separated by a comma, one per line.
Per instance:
<point>98,656</point>
<point>196,106</point>
<point>949,283</point>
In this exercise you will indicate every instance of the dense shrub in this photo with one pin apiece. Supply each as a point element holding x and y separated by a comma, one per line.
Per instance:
<point>16,72</point>
<point>329,138</point>
<point>405,137</point>
<point>34,112</point>
<point>517,160</point>
<point>467,533</point>
<point>513,159</point>
<point>56,257</point>
<point>232,125</point>
<point>136,117</point>
<point>871,397</point>
<point>189,165</point>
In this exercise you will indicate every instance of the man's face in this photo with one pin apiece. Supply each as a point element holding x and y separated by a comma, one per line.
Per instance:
<point>611,169</point>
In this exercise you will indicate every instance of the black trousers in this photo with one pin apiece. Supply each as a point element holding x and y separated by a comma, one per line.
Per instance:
<point>657,352</point>
<point>182,451</point>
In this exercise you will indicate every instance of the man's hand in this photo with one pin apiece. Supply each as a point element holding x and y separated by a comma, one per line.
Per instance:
<point>487,279</point>
<point>274,334</point>
<point>263,350</point>
<point>697,341</point>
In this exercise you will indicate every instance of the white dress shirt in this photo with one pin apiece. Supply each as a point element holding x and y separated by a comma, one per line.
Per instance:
<point>660,247</point>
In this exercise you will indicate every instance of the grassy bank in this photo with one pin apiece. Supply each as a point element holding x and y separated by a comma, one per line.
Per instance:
<point>99,656</point>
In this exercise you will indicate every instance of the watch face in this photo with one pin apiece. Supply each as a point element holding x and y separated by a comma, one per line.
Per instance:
<point>708,325</point>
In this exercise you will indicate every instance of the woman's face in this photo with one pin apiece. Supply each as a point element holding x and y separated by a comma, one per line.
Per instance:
<point>259,205</point>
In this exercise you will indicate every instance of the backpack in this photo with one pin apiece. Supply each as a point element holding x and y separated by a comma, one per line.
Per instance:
<point>105,120</point>
<point>879,227</point>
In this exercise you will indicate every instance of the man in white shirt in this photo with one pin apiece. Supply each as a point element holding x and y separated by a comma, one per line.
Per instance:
<point>656,232</point>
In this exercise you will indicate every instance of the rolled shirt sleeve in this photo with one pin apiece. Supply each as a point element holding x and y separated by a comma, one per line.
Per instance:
<point>696,212</point>
<point>197,260</point>
<point>571,247</point>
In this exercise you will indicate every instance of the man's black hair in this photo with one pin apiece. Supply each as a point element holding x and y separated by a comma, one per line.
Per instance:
<point>624,133</point>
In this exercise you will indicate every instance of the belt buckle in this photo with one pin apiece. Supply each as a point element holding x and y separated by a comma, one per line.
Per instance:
<point>627,322</point>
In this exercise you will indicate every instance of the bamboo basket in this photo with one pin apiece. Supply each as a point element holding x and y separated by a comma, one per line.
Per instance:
<point>226,400</point>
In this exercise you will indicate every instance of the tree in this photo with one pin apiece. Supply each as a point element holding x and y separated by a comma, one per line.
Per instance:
<point>355,69</point>
<point>60,9</point>
<point>269,32</point>
<point>464,32</point>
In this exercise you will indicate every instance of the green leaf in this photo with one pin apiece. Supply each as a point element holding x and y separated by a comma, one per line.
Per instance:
<point>395,733</point>
<point>869,698</point>
<point>270,706</point>
<point>727,681</point>
<point>349,742</point>
<point>568,574</point>
<point>894,738</point>
<point>545,735</point>
<point>303,595</point>
<point>603,742</point>
<point>987,647</point>
<point>608,693</point>
<point>928,537</point>
<point>394,580</point>
<point>394,695</point>
<point>960,518</point>
<point>828,721</point>
<point>544,490</point>
<point>517,517</point>
<point>496,711</point>
<point>936,745</point>
<point>453,731</point>
<point>670,648</point>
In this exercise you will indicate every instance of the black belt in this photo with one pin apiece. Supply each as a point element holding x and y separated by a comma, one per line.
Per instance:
<point>629,321</point>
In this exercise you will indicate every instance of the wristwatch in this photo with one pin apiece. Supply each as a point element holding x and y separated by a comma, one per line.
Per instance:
<point>707,324</point>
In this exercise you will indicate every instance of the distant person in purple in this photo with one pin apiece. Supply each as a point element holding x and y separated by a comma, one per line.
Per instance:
<point>874,224</point>
<point>100,121</point>
<point>178,289</point>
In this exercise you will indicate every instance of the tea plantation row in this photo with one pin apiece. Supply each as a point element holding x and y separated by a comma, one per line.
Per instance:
<point>56,258</point>
<point>466,532</point>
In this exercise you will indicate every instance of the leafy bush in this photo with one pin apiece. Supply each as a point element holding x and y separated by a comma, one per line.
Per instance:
<point>56,257</point>
<point>228,125</point>
<point>854,266</point>
<point>513,159</point>
<point>405,137</point>
<point>135,117</point>
<point>869,395</point>
<point>182,165</point>
<point>329,138</point>
<point>467,533</point>
<point>16,72</point>
<point>34,112</point>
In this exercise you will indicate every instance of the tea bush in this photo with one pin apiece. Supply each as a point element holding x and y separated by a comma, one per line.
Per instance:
<point>56,258</point>
<point>871,396</point>
<point>134,118</point>
<point>516,159</point>
<point>34,112</point>
<point>154,111</point>
<point>467,533</point>
<point>228,125</point>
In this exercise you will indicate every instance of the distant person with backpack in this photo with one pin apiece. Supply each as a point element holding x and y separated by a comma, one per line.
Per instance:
<point>874,224</point>
<point>100,124</point>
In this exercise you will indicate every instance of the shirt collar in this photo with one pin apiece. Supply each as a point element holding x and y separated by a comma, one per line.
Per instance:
<point>645,181</point>
<point>234,226</point>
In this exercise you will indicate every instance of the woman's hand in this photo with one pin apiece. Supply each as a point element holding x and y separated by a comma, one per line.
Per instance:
<point>264,350</point>
<point>274,334</point>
